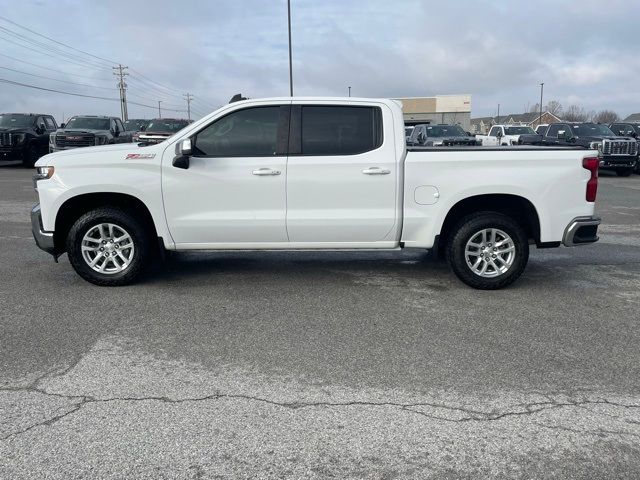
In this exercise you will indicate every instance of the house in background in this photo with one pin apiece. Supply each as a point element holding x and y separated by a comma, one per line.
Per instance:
<point>634,117</point>
<point>482,125</point>
<point>453,109</point>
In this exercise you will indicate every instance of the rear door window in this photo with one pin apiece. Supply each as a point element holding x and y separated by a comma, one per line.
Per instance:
<point>340,130</point>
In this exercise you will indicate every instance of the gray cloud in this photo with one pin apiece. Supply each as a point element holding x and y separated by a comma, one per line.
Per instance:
<point>497,51</point>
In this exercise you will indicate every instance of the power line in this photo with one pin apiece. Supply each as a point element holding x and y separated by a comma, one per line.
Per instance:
<point>56,79</point>
<point>56,41</point>
<point>52,69</point>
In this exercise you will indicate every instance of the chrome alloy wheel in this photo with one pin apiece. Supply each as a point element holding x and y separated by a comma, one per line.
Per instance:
<point>108,248</point>
<point>490,252</point>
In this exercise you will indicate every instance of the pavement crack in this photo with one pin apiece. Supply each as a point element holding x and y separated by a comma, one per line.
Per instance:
<point>426,409</point>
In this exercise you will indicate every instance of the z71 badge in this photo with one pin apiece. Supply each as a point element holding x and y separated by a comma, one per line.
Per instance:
<point>139,156</point>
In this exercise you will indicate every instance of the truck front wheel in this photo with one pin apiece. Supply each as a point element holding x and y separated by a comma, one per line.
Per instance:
<point>108,247</point>
<point>488,250</point>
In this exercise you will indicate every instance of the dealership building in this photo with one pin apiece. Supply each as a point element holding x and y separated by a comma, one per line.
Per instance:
<point>452,109</point>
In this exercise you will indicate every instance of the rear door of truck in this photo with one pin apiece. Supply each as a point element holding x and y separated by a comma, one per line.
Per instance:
<point>342,173</point>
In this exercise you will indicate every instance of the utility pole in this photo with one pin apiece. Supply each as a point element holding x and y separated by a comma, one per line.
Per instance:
<point>120,73</point>
<point>188,97</point>
<point>498,119</point>
<point>159,111</point>
<point>541,91</point>
<point>349,91</point>
<point>290,58</point>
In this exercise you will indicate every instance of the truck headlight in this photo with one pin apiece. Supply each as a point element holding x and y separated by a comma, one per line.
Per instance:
<point>596,146</point>
<point>43,173</point>
<point>52,140</point>
<point>19,138</point>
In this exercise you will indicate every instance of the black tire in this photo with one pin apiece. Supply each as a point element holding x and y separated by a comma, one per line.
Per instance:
<point>133,226</point>
<point>30,157</point>
<point>466,229</point>
<point>624,172</point>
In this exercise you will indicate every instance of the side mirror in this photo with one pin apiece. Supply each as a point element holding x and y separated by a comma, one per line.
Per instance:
<point>183,151</point>
<point>499,134</point>
<point>143,128</point>
<point>183,147</point>
<point>62,125</point>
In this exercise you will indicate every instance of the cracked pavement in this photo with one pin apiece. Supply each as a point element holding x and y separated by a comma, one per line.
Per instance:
<point>352,365</point>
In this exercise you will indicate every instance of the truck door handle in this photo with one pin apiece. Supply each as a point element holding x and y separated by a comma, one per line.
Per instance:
<point>376,171</point>
<point>266,171</point>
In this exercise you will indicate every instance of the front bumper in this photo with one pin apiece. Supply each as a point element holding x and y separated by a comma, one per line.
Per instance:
<point>11,152</point>
<point>43,239</point>
<point>618,162</point>
<point>580,231</point>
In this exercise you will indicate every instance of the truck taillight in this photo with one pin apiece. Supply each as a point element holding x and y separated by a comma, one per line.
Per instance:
<point>591,164</point>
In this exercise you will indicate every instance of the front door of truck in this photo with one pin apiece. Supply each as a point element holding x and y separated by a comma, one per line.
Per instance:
<point>233,191</point>
<point>342,174</point>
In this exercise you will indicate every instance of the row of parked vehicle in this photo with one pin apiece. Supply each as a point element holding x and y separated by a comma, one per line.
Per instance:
<point>618,144</point>
<point>28,136</point>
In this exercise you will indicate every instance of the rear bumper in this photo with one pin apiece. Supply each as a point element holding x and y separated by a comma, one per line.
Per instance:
<point>580,231</point>
<point>43,239</point>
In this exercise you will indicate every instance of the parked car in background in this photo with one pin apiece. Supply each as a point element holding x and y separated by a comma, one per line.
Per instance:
<point>311,173</point>
<point>542,128</point>
<point>25,136</point>
<point>159,129</point>
<point>628,129</point>
<point>135,125</point>
<point>618,154</point>
<point>407,131</point>
<point>87,131</point>
<point>429,135</point>
<point>504,135</point>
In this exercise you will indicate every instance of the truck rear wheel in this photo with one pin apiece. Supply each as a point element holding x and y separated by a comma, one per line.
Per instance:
<point>108,247</point>
<point>488,250</point>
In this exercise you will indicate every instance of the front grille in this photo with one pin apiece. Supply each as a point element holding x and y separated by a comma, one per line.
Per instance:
<point>619,147</point>
<point>5,139</point>
<point>75,140</point>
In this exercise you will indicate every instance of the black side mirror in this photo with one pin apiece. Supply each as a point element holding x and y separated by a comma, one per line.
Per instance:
<point>143,128</point>
<point>183,153</point>
<point>62,125</point>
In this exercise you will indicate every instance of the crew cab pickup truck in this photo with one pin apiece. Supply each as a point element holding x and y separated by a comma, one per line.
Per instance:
<point>311,174</point>
<point>25,136</point>
<point>618,154</point>
<point>88,130</point>
<point>506,135</point>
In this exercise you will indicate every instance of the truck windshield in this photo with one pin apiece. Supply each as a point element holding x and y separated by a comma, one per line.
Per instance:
<point>519,131</point>
<point>16,120</point>
<point>591,130</point>
<point>445,131</point>
<point>134,125</point>
<point>166,126</point>
<point>88,123</point>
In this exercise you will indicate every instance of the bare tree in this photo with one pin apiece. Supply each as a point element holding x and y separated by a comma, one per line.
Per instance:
<point>606,116</point>
<point>535,108</point>
<point>575,113</point>
<point>554,107</point>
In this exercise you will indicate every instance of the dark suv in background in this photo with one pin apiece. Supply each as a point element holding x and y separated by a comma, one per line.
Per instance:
<point>628,129</point>
<point>87,131</point>
<point>617,153</point>
<point>25,136</point>
<point>439,135</point>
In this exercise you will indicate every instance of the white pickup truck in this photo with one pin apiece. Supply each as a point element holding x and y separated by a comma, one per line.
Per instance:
<point>311,174</point>
<point>505,135</point>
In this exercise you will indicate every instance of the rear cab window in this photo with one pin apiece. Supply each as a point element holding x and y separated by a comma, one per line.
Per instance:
<point>334,130</point>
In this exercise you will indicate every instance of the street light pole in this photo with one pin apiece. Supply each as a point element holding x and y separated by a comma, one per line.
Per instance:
<point>349,91</point>
<point>159,111</point>
<point>290,58</point>
<point>541,91</point>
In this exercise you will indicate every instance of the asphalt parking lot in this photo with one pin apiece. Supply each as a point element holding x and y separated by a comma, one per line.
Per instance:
<point>338,365</point>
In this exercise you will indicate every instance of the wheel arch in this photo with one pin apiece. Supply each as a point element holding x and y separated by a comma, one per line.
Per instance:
<point>515,206</point>
<point>76,206</point>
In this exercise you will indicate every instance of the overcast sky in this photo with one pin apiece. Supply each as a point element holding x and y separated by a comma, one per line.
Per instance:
<point>585,51</point>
